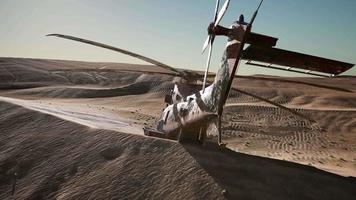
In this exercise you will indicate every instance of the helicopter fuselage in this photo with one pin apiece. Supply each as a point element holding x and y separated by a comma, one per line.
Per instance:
<point>194,113</point>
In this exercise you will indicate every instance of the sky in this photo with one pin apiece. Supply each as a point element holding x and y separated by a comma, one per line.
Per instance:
<point>172,31</point>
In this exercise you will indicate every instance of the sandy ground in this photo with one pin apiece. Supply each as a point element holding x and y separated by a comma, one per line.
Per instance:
<point>74,129</point>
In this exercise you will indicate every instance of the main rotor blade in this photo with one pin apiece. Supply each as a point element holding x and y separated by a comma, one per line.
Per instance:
<point>273,103</point>
<point>105,46</point>
<point>222,12</point>
<point>255,13</point>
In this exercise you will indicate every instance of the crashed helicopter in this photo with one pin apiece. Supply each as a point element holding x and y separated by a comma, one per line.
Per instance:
<point>193,114</point>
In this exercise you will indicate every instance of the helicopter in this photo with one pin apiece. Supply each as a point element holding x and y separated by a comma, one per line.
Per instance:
<point>191,112</point>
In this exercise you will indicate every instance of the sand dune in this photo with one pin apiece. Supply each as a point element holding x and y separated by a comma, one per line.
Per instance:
<point>65,160</point>
<point>81,116</point>
<point>61,159</point>
<point>74,129</point>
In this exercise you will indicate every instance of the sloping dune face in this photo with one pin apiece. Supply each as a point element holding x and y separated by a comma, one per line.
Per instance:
<point>54,158</point>
<point>73,130</point>
<point>58,159</point>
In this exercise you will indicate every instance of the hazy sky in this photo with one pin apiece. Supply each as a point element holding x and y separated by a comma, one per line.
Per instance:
<point>172,31</point>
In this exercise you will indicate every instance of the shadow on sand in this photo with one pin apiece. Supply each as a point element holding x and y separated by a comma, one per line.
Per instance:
<point>250,177</point>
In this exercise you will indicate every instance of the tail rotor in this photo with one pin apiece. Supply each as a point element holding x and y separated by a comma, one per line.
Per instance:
<point>210,39</point>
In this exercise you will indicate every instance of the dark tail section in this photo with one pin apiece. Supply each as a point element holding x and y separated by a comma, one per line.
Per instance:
<point>261,40</point>
<point>295,60</point>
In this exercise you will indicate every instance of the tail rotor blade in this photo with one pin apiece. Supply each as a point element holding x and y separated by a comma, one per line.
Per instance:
<point>206,43</point>
<point>210,40</point>
<point>216,9</point>
<point>208,64</point>
<point>222,12</point>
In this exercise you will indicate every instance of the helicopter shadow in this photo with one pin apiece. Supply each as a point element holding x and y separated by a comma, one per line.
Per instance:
<point>243,176</point>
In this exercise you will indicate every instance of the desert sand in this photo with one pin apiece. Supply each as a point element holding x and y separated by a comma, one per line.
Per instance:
<point>73,130</point>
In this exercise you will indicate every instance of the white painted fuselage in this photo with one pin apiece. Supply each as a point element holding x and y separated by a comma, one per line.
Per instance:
<point>198,109</point>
